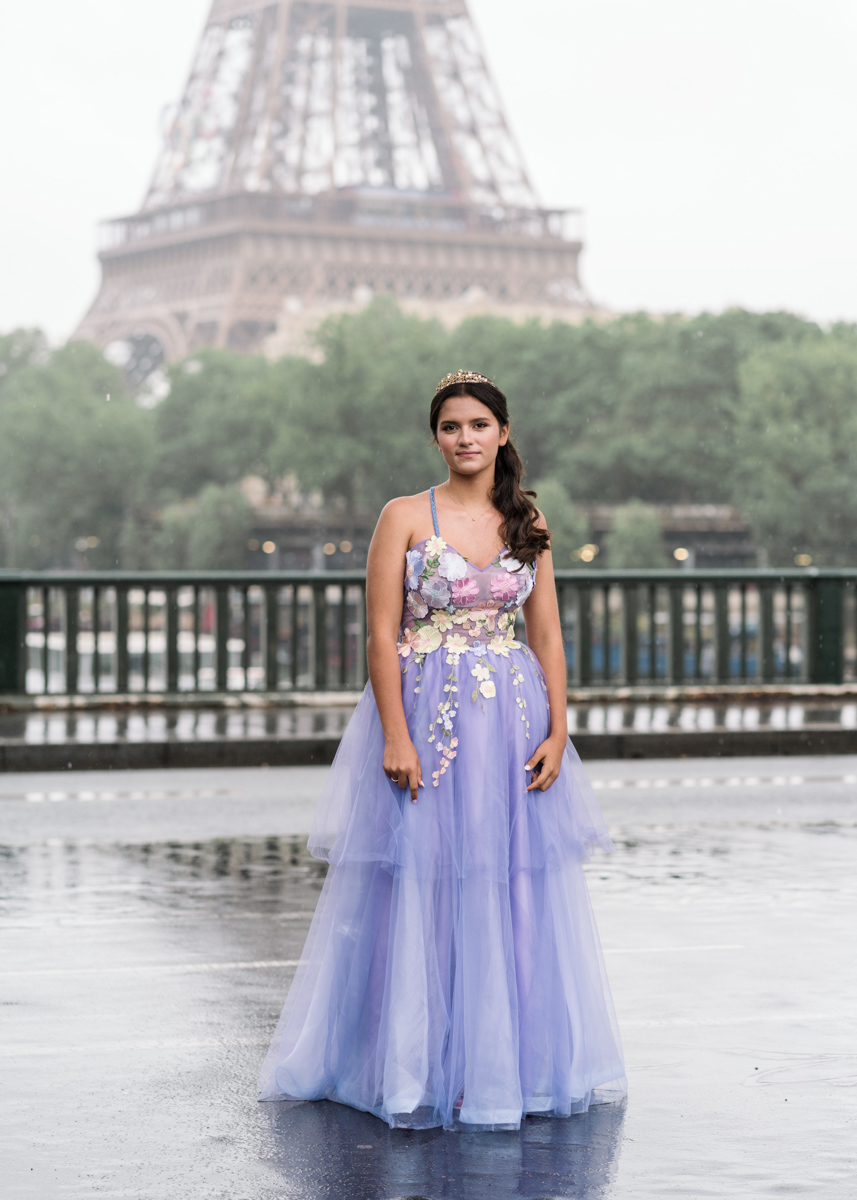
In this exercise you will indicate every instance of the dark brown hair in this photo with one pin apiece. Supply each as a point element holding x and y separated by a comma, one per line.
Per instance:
<point>515,504</point>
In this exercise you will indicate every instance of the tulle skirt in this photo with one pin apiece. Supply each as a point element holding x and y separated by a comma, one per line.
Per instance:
<point>452,974</point>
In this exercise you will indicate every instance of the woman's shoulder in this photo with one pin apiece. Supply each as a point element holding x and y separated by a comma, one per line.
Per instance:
<point>405,508</point>
<point>403,515</point>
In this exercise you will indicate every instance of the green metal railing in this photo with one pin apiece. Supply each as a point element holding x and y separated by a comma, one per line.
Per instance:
<point>118,633</point>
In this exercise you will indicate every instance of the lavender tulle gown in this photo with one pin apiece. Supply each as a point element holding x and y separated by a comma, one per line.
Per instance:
<point>452,974</point>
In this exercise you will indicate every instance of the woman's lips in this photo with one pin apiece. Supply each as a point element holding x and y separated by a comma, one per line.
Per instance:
<point>467,453</point>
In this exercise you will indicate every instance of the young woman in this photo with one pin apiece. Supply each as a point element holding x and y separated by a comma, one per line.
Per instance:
<point>452,974</point>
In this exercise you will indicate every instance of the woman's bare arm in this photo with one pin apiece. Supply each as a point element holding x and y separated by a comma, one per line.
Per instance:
<point>384,573</point>
<point>544,637</point>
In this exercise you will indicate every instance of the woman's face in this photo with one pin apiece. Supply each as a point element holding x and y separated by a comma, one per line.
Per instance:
<point>469,435</point>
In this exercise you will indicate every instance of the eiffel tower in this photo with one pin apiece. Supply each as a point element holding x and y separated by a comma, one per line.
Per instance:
<point>324,152</point>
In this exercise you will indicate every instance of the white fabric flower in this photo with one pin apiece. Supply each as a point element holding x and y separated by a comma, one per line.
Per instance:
<point>452,565</point>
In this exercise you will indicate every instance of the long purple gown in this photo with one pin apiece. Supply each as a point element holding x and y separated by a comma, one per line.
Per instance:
<point>452,974</point>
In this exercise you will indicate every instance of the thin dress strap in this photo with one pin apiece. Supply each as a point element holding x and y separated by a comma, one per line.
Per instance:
<point>434,513</point>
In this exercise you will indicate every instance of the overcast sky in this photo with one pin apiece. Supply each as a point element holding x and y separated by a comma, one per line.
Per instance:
<point>712,144</point>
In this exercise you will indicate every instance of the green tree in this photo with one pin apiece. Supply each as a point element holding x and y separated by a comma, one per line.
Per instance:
<point>358,420</point>
<point>797,428</point>
<point>568,526</point>
<point>664,410</point>
<point>74,450</point>
<point>223,414</point>
<point>206,533</point>
<point>657,410</point>
<point>21,348</point>
<point>636,540</point>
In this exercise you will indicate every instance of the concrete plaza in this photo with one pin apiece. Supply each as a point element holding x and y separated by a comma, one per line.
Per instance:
<point>151,921</point>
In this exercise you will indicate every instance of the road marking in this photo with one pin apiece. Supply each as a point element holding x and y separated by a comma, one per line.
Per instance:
<point>89,795</point>
<point>9,1051</point>
<point>279,964</point>
<point>63,921</point>
<point>749,1019</point>
<point>671,949</point>
<point>156,969</point>
<point>731,781</point>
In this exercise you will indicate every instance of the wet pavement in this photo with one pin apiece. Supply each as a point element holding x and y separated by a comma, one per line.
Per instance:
<point>150,922</point>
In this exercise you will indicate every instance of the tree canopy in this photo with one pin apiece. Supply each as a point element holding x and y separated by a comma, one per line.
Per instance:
<point>758,410</point>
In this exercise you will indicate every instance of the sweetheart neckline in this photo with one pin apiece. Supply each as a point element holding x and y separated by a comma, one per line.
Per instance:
<point>492,563</point>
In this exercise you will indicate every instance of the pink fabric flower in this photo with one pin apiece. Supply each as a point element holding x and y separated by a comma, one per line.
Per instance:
<point>504,587</point>
<point>406,645</point>
<point>464,591</point>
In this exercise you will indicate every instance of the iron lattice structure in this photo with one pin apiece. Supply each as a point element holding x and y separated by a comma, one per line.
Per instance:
<point>323,152</point>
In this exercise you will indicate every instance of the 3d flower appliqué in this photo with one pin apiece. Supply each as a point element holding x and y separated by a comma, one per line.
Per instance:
<point>455,645</point>
<point>416,605</point>
<point>452,566</point>
<point>415,564</point>
<point>426,639</point>
<point>406,645</point>
<point>465,591</point>
<point>435,592</point>
<point>504,587</point>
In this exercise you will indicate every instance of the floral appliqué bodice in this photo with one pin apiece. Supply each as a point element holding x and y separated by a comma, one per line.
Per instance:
<point>453,605</point>
<point>456,609</point>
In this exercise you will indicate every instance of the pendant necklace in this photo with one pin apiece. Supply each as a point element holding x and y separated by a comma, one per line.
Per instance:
<point>460,505</point>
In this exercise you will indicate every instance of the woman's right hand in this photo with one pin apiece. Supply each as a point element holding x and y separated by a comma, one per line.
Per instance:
<point>402,765</point>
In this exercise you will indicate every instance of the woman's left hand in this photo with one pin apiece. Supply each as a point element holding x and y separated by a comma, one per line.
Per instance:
<point>545,764</point>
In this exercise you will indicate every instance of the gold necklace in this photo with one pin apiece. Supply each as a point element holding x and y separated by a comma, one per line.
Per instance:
<point>460,505</point>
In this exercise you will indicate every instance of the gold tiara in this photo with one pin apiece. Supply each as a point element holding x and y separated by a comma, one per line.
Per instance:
<point>460,377</point>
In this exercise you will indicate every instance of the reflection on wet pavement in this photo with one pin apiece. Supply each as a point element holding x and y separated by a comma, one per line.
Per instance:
<point>181,725</point>
<point>141,979</point>
<point>576,1157</point>
<point>200,725</point>
<point>655,717</point>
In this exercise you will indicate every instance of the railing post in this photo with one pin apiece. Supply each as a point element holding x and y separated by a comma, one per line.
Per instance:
<point>72,624</point>
<point>271,638</point>
<point>766,632</point>
<point>825,648</point>
<point>123,657</point>
<point>583,650</point>
<point>676,603</point>
<point>13,639</point>
<point>342,631</point>
<point>363,637</point>
<point>631,642</point>
<point>722,643</point>
<point>221,627</point>
<point>319,636</point>
<point>172,635</point>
